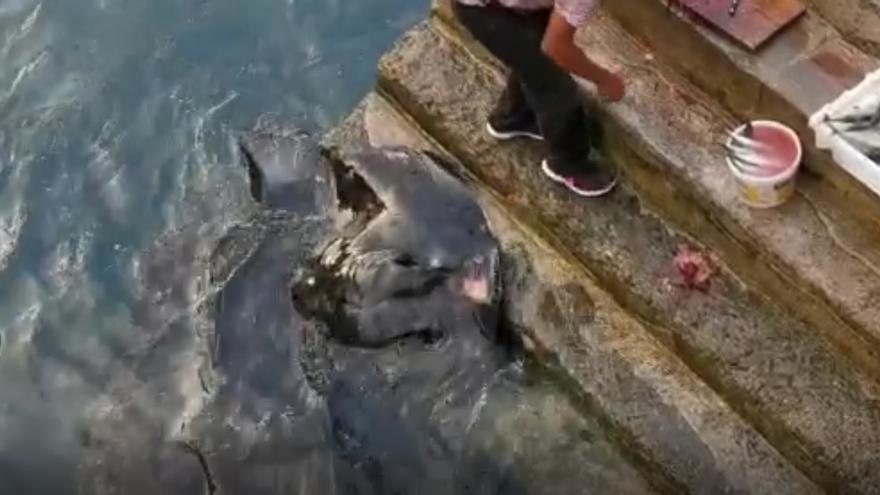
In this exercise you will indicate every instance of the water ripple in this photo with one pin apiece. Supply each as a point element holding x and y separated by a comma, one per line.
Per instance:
<point>119,123</point>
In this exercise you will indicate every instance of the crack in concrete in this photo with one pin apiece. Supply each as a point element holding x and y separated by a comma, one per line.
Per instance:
<point>836,239</point>
<point>192,447</point>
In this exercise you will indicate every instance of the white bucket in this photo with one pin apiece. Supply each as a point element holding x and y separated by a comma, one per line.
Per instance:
<point>767,191</point>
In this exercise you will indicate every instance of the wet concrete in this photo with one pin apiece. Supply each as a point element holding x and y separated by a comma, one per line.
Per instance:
<point>796,388</point>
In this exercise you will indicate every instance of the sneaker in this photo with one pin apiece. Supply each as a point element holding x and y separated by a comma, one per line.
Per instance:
<point>510,127</point>
<point>588,179</point>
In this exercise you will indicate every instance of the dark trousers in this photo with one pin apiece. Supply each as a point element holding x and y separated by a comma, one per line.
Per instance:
<point>536,86</point>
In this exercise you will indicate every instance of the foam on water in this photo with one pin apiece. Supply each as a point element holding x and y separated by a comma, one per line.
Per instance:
<point>11,223</point>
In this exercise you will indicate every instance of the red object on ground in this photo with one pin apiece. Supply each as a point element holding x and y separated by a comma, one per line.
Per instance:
<point>755,21</point>
<point>694,268</point>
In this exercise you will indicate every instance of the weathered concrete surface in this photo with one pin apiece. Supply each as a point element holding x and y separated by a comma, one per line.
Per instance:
<point>857,20</point>
<point>817,408</point>
<point>812,243</point>
<point>679,430</point>
<point>558,450</point>
<point>811,255</point>
<point>801,69</point>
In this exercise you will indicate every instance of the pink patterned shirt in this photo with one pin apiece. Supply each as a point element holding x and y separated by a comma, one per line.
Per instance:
<point>576,12</point>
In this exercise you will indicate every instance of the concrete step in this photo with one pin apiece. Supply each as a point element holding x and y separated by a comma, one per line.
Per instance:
<point>811,255</point>
<point>837,244</point>
<point>857,21</point>
<point>809,400</point>
<point>805,66</point>
<point>671,425</point>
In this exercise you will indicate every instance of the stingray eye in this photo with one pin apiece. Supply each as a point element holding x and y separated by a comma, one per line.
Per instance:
<point>405,260</point>
<point>430,336</point>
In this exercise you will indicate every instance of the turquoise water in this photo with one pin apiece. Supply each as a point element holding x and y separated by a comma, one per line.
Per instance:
<point>118,121</point>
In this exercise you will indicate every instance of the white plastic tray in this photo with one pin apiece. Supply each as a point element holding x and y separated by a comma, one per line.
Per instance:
<point>848,157</point>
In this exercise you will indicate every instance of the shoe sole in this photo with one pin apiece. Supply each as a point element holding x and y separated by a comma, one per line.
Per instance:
<point>504,136</point>
<point>545,167</point>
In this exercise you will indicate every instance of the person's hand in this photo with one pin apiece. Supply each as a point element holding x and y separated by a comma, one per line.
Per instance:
<point>612,87</point>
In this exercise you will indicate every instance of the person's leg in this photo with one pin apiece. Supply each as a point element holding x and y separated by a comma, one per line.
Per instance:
<point>512,116</point>
<point>515,38</point>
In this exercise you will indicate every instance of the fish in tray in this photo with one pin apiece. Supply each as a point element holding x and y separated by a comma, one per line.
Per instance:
<point>860,127</point>
<point>866,141</point>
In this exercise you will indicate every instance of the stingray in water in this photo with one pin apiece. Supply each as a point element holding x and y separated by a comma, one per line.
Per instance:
<point>354,337</point>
